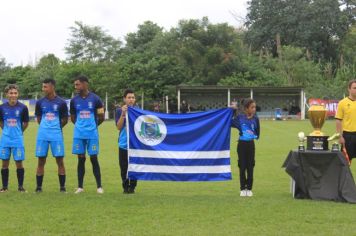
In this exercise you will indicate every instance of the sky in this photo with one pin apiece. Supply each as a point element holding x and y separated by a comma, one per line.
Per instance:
<point>33,28</point>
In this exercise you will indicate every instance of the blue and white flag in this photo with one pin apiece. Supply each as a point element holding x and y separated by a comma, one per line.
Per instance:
<point>179,147</point>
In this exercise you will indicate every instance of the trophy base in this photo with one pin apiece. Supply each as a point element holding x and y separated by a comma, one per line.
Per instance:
<point>335,147</point>
<point>317,143</point>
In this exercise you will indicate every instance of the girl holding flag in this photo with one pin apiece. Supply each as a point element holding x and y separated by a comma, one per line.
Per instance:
<point>248,125</point>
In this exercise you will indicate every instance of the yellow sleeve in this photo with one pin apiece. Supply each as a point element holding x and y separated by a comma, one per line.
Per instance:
<point>340,111</point>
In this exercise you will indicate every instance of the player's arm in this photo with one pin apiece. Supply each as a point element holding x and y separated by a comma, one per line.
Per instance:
<point>38,112</point>
<point>38,118</point>
<point>24,126</point>
<point>73,116</point>
<point>339,130</point>
<point>63,114</point>
<point>64,121</point>
<point>338,117</point>
<point>25,119</point>
<point>121,119</point>
<point>1,120</point>
<point>258,129</point>
<point>100,113</point>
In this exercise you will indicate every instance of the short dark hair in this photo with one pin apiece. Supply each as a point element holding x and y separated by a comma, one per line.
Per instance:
<point>127,91</point>
<point>11,86</point>
<point>82,78</point>
<point>247,102</point>
<point>49,81</point>
<point>351,82</point>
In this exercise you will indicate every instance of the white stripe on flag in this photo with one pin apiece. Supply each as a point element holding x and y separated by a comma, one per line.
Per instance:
<point>179,169</point>
<point>179,154</point>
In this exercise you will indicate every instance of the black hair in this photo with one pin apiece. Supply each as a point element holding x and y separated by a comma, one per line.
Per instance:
<point>82,78</point>
<point>127,91</point>
<point>247,102</point>
<point>49,81</point>
<point>11,86</point>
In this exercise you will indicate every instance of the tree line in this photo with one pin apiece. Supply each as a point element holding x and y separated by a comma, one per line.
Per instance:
<point>309,43</point>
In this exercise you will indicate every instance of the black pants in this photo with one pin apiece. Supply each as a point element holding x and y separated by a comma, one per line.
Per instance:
<point>246,162</point>
<point>350,143</point>
<point>124,164</point>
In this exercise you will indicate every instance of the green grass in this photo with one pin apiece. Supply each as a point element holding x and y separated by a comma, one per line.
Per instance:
<point>169,208</point>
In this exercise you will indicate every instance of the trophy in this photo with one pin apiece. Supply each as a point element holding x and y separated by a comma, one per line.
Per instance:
<point>335,146</point>
<point>317,140</point>
<point>301,138</point>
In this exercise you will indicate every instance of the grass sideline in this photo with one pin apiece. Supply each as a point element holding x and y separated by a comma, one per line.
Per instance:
<point>170,208</point>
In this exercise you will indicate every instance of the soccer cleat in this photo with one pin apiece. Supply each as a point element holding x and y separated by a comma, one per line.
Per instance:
<point>3,190</point>
<point>100,190</point>
<point>62,190</point>
<point>38,190</point>
<point>131,190</point>
<point>22,190</point>
<point>243,193</point>
<point>79,190</point>
<point>249,193</point>
<point>126,191</point>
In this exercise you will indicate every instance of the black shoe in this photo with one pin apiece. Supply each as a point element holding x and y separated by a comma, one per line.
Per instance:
<point>22,190</point>
<point>3,190</point>
<point>131,190</point>
<point>126,191</point>
<point>62,189</point>
<point>38,190</point>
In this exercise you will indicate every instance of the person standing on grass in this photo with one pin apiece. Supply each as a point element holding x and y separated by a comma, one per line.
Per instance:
<point>248,125</point>
<point>86,113</point>
<point>13,121</point>
<point>128,185</point>
<point>346,121</point>
<point>52,115</point>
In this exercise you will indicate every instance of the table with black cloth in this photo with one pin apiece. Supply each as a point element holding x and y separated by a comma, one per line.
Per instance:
<point>321,175</point>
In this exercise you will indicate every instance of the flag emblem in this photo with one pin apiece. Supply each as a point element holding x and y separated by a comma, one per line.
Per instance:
<point>150,129</point>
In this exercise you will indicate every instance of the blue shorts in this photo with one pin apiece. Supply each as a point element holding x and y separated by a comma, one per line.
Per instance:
<point>91,145</point>
<point>57,148</point>
<point>17,152</point>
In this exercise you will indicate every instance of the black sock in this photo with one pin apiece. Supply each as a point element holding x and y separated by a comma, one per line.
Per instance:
<point>96,170</point>
<point>81,172</point>
<point>5,177</point>
<point>39,180</point>
<point>62,180</point>
<point>20,176</point>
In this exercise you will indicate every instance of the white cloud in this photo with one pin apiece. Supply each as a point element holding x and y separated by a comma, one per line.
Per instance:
<point>33,28</point>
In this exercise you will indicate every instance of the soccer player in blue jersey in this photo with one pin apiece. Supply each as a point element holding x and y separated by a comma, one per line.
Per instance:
<point>128,185</point>
<point>13,121</point>
<point>248,125</point>
<point>87,113</point>
<point>52,115</point>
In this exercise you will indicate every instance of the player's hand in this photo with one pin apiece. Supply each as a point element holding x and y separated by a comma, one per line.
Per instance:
<point>124,110</point>
<point>342,140</point>
<point>233,106</point>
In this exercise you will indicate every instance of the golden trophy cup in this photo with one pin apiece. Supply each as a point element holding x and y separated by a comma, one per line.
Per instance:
<point>317,140</point>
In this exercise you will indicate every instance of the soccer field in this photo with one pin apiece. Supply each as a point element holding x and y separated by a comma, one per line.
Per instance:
<point>170,208</point>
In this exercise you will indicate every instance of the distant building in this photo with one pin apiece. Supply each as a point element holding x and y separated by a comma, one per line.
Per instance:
<point>291,100</point>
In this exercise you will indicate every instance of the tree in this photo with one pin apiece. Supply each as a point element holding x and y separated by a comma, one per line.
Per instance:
<point>47,66</point>
<point>317,25</point>
<point>3,65</point>
<point>91,43</point>
<point>348,47</point>
<point>146,33</point>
